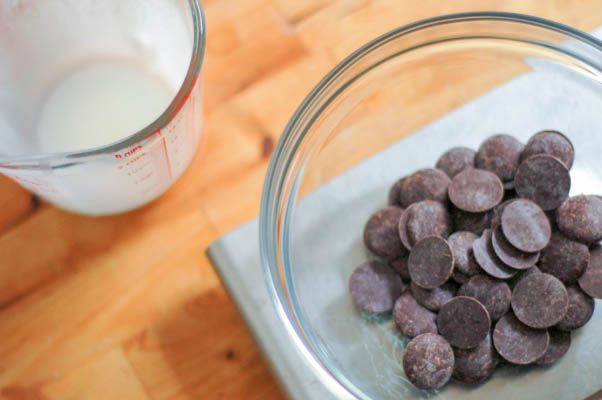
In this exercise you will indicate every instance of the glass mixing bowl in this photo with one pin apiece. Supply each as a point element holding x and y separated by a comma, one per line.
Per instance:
<point>393,107</point>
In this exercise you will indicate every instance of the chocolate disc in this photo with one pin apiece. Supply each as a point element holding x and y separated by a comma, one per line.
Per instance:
<point>459,277</point>
<point>381,233</point>
<point>543,179</point>
<point>461,245</point>
<point>411,318</point>
<point>435,298</point>
<point>517,343</point>
<point>564,258</point>
<point>427,218</point>
<point>580,218</point>
<point>471,222</point>
<point>493,294</point>
<point>496,218</point>
<point>540,301</point>
<point>456,160</point>
<point>476,190</point>
<point>426,184</point>
<point>403,228</point>
<point>591,280</point>
<point>431,262</point>
<point>526,226</point>
<point>581,309</point>
<point>488,260</point>
<point>428,361</point>
<point>423,219</point>
<point>500,154</point>
<point>509,254</point>
<point>557,348</point>
<point>394,198</point>
<point>521,275</point>
<point>401,266</point>
<point>552,143</point>
<point>374,287</point>
<point>474,366</point>
<point>464,322</point>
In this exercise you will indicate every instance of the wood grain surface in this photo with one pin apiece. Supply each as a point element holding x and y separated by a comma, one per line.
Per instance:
<point>129,306</point>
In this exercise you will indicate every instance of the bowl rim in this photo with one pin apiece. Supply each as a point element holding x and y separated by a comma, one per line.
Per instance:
<point>288,145</point>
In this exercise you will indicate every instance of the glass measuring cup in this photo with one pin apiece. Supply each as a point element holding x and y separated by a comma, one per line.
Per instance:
<point>44,43</point>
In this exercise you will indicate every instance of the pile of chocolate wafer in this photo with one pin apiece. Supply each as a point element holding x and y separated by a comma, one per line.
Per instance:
<point>484,258</point>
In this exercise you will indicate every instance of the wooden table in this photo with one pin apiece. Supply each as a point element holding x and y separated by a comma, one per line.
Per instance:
<point>129,307</point>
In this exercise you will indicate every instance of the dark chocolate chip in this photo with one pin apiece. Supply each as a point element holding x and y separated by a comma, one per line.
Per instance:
<point>425,184</point>
<point>493,294</point>
<point>523,274</point>
<point>500,154</point>
<point>581,309</point>
<point>540,301</point>
<point>476,190</point>
<point>459,277</point>
<point>552,143</point>
<point>374,287</point>
<point>473,366</point>
<point>557,348</point>
<point>496,218</point>
<point>509,254</point>
<point>517,343</point>
<point>381,233</point>
<point>424,219</point>
<point>580,218</point>
<point>488,260</point>
<point>435,298</point>
<point>428,218</point>
<point>591,280</point>
<point>403,228</point>
<point>431,262</point>
<point>456,160</point>
<point>461,245</point>
<point>411,318</point>
<point>428,361</point>
<point>526,226</point>
<point>471,222</point>
<point>564,258</point>
<point>394,198</point>
<point>401,266</point>
<point>464,322</point>
<point>543,179</point>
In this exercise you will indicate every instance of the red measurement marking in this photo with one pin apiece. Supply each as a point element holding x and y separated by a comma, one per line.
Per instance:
<point>135,159</point>
<point>129,152</point>
<point>169,172</point>
<point>135,171</point>
<point>143,178</point>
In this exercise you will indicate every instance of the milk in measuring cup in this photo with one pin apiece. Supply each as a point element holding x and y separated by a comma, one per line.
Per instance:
<point>100,104</point>
<point>78,78</point>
